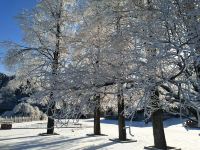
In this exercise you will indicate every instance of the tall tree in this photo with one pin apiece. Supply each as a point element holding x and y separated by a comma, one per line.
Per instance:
<point>46,38</point>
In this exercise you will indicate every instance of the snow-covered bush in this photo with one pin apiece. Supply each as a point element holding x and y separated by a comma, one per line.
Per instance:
<point>25,110</point>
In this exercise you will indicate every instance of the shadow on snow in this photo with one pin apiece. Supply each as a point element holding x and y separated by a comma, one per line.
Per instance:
<point>142,124</point>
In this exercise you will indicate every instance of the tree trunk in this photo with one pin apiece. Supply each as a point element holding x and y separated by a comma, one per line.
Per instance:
<point>50,123</point>
<point>50,126</point>
<point>158,130</point>
<point>157,123</point>
<point>97,114</point>
<point>121,118</point>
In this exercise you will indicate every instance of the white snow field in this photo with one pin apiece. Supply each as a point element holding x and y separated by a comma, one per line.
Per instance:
<point>24,136</point>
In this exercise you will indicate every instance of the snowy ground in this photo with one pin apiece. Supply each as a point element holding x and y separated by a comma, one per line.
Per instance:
<point>25,136</point>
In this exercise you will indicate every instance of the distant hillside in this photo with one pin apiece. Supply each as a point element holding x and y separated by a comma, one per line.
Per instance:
<point>4,79</point>
<point>10,97</point>
<point>13,93</point>
<point>4,103</point>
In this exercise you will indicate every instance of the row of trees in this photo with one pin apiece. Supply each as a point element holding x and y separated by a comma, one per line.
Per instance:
<point>144,53</point>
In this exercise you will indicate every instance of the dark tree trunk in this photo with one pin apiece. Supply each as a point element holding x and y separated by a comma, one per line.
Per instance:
<point>157,123</point>
<point>121,118</point>
<point>50,123</point>
<point>97,115</point>
<point>50,126</point>
<point>158,130</point>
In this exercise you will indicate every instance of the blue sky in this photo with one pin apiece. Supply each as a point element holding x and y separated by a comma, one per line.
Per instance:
<point>9,28</point>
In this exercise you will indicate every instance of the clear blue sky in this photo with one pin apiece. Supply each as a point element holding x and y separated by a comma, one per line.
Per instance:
<point>9,28</point>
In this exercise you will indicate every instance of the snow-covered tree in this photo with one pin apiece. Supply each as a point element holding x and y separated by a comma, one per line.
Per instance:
<point>165,40</point>
<point>47,31</point>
